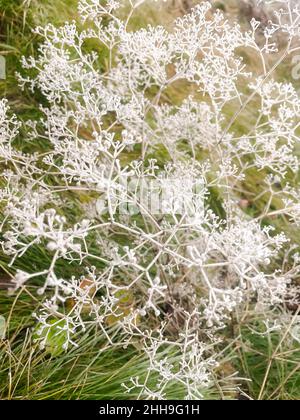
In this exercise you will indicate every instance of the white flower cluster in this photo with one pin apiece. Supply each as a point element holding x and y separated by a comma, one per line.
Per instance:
<point>181,95</point>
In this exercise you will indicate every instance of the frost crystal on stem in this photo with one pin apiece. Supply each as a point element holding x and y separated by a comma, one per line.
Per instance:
<point>163,249</point>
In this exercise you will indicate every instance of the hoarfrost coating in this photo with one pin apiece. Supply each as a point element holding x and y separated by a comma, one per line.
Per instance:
<point>177,279</point>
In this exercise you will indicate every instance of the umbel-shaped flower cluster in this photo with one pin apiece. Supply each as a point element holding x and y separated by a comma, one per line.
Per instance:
<point>149,136</point>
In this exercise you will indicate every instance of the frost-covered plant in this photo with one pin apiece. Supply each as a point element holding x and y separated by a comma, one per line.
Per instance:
<point>141,191</point>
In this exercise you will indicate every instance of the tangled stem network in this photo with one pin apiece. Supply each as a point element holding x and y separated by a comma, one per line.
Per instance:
<point>141,193</point>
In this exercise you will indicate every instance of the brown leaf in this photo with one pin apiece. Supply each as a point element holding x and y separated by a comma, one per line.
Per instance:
<point>88,285</point>
<point>5,282</point>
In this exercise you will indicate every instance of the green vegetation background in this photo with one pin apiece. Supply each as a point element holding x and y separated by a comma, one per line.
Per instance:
<point>88,372</point>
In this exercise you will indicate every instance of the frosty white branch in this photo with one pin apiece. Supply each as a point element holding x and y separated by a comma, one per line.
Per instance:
<point>177,272</point>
